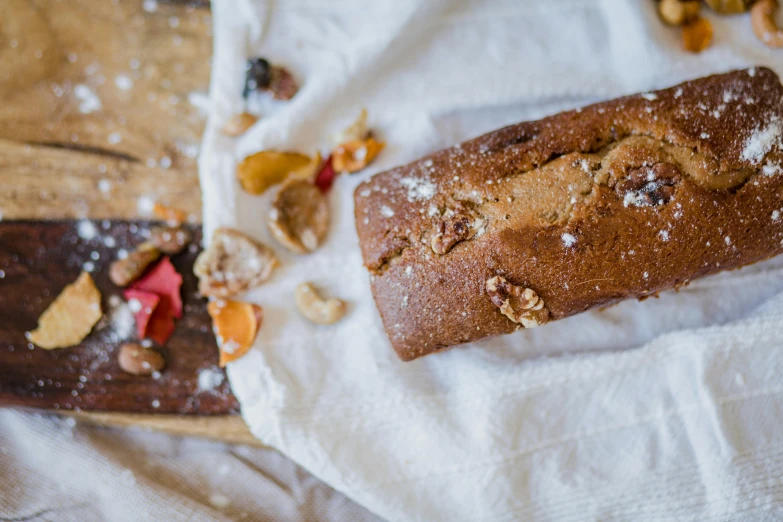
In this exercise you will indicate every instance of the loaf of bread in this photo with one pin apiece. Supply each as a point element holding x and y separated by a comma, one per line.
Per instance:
<point>545,219</point>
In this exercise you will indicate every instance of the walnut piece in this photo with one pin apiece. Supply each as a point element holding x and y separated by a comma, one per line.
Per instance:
<point>299,218</point>
<point>232,264</point>
<point>453,228</point>
<point>649,186</point>
<point>317,309</point>
<point>521,305</point>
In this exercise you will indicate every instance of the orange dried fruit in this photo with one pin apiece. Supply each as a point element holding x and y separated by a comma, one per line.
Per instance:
<point>697,35</point>
<point>258,172</point>
<point>70,317</point>
<point>309,171</point>
<point>238,124</point>
<point>170,214</point>
<point>235,324</point>
<point>357,131</point>
<point>353,156</point>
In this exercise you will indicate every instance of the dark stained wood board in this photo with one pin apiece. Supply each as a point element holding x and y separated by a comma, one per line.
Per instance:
<point>37,259</point>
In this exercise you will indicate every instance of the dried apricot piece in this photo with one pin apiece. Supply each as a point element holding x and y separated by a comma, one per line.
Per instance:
<point>169,214</point>
<point>697,35</point>
<point>353,156</point>
<point>236,325</point>
<point>259,171</point>
<point>70,317</point>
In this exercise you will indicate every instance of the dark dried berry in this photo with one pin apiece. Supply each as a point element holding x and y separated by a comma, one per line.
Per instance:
<point>258,75</point>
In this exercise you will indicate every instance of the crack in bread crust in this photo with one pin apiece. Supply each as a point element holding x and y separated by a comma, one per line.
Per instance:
<point>585,208</point>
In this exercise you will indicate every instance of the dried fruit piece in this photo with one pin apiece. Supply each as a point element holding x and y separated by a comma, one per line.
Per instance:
<point>171,215</point>
<point>282,84</point>
<point>233,263</point>
<point>325,177</point>
<point>697,35</point>
<point>164,281</point>
<point>263,169</point>
<point>123,272</point>
<point>235,324</point>
<point>169,240</point>
<point>521,305</point>
<point>762,17</point>
<point>299,218</point>
<point>316,309</point>
<point>729,6</point>
<point>309,171</point>
<point>238,124</point>
<point>258,75</point>
<point>357,131</point>
<point>678,12</point>
<point>353,156</point>
<point>133,358</point>
<point>142,305</point>
<point>70,317</point>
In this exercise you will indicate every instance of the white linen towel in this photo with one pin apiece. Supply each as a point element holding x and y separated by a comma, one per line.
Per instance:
<point>670,409</point>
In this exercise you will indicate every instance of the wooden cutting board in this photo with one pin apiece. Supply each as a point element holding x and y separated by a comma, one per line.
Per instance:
<point>100,116</point>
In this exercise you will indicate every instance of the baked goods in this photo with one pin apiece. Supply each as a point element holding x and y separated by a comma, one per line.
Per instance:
<point>542,220</point>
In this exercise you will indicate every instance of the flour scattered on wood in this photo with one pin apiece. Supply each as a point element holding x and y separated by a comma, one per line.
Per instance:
<point>88,100</point>
<point>210,378</point>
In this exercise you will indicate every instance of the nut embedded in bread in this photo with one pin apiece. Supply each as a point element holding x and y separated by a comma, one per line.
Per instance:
<point>617,200</point>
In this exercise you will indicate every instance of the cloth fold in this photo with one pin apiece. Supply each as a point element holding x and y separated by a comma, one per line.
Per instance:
<point>666,409</point>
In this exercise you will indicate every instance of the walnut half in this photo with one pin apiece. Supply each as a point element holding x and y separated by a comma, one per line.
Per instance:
<point>521,305</point>
<point>456,226</point>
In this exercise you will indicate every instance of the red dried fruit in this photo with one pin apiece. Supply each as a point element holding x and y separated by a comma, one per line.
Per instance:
<point>325,177</point>
<point>142,305</point>
<point>164,281</point>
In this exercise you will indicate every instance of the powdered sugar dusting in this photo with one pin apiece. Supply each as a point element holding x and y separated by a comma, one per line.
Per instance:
<point>209,379</point>
<point>86,229</point>
<point>418,189</point>
<point>569,240</point>
<point>761,141</point>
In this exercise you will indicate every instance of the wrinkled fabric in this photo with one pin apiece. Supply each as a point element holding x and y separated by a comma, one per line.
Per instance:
<point>668,409</point>
<point>55,469</point>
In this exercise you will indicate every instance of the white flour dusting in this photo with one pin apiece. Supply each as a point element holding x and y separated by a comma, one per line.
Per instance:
<point>418,189</point>
<point>88,100</point>
<point>86,230</point>
<point>762,141</point>
<point>209,379</point>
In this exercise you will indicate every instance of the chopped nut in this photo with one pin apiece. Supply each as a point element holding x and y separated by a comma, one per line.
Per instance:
<point>316,309</point>
<point>260,171</point>
<point>649,186</point>
<point>169,240</point>
<point>678,12</point>
<point>70,317</point>
<point>123,272</point>
<point>762,17</point>
<point>353,156</point>
<point>168,214</point>
<point>233,263</point>
<point>299,218</point>
<point>133,358</point>
<point>235,325</point>
<point>729,6</point>
<point>521,305</point>
<point>453,228</point>
<point>357,131</point>
<point>238,124</point>
<point>697,35</point>
<point>283,85</point>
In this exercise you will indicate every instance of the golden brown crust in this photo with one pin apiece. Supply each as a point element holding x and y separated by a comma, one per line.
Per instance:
<point>585,208</point>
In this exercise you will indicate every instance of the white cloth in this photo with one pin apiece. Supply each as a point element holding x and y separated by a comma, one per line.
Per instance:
<point>55,469</point>
<point>684,426</point>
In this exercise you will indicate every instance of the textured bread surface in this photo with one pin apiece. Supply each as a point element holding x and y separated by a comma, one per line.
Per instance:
<point>617,200</point>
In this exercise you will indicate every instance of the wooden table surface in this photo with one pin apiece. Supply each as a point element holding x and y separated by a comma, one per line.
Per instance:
<point>99,115</point>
